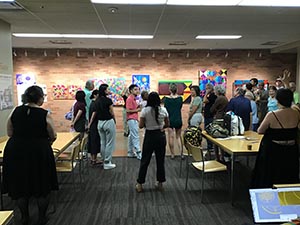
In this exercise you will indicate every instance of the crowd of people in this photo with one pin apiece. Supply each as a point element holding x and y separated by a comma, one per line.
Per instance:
<point>272,111</point>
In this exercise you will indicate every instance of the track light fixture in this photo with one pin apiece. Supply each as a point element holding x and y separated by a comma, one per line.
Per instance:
<point>208,54</point>
<point>25,53</point>
<point>14,53</point>
<point>249,54</point>
<point>260,55</point>
<point>94,53</point>
<point>226,55</point>
<point>169,54</point>
<point>139,54</point>
<point>57,53</point>
<point>78,53</point>
<point>187,55</point>
<point>153,54</point>
<point>110,54</point>
<point>45,53</point>
<point>124,54</point>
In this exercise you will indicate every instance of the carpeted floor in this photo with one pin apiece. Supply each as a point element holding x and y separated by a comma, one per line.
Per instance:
<point>109,198</point>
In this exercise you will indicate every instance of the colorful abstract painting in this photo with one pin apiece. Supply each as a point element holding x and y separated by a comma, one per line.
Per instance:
<point>60,92</point>
<point>116,86</point>
<point>72,89</point>
<point>242,83</point>
<point>143,81</point>
<point>183,89</point>
<point>215,77</point>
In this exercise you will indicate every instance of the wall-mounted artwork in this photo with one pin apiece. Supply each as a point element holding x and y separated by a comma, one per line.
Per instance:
<point>215,77</point>
<point>242,83</point>
<point>141,80</point>
<point>72,89</point>
<point>116,86</point>
<point>60,92</point>
<point>183,89</point>
<point>6,92</point>
<point>23,82</point>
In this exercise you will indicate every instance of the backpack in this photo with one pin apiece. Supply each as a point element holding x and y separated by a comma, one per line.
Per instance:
<point>193,135</point>
<point>234,124</point>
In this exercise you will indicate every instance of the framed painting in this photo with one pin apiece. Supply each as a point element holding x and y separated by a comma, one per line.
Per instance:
<point>215,77</point>
<point>142,80</point>
<point>116,86</point>
<point>183,89</point>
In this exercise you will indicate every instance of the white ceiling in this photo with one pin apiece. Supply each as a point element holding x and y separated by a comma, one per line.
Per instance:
<point>168,24</point>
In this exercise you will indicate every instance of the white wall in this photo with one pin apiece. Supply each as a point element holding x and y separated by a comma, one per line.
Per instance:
<point>6,65</point>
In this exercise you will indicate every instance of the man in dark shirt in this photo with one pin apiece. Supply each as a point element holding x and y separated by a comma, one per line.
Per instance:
<point>241,107</point>
<point>208,99</point>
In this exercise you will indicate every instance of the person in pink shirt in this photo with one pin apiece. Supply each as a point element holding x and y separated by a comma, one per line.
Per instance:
<point>132,109</point>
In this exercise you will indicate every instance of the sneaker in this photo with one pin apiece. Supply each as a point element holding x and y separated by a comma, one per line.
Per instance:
<point>139,188</point>
<point>108,166</point>
<point>130,155</point>
<point>159,186</point>
<point>139,155</point>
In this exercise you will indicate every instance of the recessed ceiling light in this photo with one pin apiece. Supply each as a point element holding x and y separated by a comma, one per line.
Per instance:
<point>82,36</point>
<point>279,3</point>
<point>131,2</point>
<point>204,2</point>
<point>218,36</point>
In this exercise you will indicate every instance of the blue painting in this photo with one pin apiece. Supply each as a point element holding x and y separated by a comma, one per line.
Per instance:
<point>141,80</point>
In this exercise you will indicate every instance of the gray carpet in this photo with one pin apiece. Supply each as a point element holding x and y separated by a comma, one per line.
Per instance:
<point>109,198</point>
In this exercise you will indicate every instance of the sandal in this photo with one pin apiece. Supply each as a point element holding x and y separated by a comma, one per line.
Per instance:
<point>139,188</point>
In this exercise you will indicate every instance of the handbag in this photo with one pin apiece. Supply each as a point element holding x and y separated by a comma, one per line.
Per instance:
<point>68,115</point>
<point>216,131</point>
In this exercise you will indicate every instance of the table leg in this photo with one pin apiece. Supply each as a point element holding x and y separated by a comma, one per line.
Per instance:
<point>232,178</point>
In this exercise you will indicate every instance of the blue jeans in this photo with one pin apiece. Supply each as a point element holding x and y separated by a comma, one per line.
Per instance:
<point>134,137</point>
<point>107,132</point>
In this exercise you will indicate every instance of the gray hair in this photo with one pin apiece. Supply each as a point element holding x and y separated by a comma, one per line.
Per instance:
<point>210,85</point>
<point>89,85</point>
<point>240,91</point>
<point>219,89</point>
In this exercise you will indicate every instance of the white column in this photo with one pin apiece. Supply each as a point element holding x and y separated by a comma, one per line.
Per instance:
<point>6,66</point>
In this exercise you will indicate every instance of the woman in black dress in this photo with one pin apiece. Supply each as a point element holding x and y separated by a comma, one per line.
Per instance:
<point>277,161</point>
<point>28,164</point>
<point>94,137</point>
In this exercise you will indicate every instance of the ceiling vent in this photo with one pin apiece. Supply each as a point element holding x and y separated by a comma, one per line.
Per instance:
<point>272,43</point>
<point>181,43</point>
<point>10,6</point>
<point>60,42</point>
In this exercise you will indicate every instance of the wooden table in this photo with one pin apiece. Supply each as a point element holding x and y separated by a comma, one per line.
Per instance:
<point>5,217</point>
<point>63,141</point>
<point>236,146</point>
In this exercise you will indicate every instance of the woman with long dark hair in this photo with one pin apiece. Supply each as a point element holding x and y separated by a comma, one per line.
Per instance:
<point>94,137</point>
<point>106,125</point>
<point>79,113</point>
<point>154,118</point>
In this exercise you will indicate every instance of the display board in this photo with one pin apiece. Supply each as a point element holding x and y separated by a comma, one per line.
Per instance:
<point>183,89</point>
<point>215,77</point>
<point>275,205</point>
<point>6,92</point>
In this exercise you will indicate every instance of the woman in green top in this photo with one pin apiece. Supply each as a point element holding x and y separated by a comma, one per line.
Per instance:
<point>173,104</point>
<point>195,116</point>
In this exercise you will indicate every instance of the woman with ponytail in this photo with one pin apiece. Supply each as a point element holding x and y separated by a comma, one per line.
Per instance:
<point>155,119</point>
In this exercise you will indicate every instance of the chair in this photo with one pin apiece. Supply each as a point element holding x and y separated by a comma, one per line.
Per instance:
<point>210,166</point>
<point>183,154</point>
<point>68,166</point>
